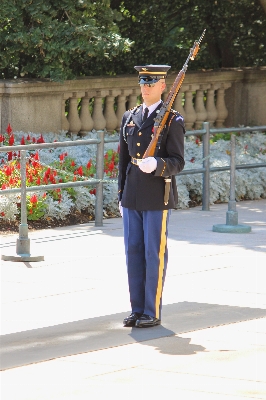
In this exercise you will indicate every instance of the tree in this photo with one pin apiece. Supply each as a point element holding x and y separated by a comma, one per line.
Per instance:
<point>57,39</point>
<point>164,32</point>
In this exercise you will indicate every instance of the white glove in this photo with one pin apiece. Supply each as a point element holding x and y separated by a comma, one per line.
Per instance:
<point>120,209</point>
<point>148,165</point>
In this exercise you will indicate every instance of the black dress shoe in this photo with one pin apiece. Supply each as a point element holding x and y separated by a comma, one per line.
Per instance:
<point>131,319</point>
<point>145,321</point>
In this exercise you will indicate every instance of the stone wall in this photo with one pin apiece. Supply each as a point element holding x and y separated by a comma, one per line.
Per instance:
<point>228,98</point>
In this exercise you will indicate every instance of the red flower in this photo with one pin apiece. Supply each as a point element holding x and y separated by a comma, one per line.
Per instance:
<point>61,157</point>
<point>89,164</point>
<point>73,163</point>
<point>38,181</point>
<point>41,139</point>
<point>2,214</point>
<point>34,199</point>
<point>80,170</point>
<point>9,156</point>
<point>28,138</point>
<point>33,140</point>
<point>22,140</point>
<point>11,140</point>
<point>93,191</point>
<point>9,129</point>
<point>47,172</point>
<point>8,171</point>
<point>36,156</point>
<point>3,187</point>
<point>111,166</point>
<point>2,138</point>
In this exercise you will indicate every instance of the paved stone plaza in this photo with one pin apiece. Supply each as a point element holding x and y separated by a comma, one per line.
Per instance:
<point>61,318</point>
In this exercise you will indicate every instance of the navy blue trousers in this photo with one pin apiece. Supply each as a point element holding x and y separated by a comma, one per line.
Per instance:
<point>145,236</point>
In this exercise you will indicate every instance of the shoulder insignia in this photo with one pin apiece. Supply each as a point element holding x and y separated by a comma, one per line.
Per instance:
<point>177,114</point>
<point>133,109</point>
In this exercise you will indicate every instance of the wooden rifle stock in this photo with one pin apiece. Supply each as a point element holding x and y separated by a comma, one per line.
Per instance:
<point>161,118</point>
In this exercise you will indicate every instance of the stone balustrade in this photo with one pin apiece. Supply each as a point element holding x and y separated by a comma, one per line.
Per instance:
<point>224,98</point>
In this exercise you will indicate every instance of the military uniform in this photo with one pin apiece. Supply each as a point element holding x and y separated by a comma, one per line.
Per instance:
<point>145,214</point>
<point>140,191</point>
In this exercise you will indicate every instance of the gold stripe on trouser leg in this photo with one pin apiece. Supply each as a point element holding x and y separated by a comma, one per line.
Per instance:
<point>161,264</point>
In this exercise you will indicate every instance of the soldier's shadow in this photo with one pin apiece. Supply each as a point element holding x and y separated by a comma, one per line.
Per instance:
<point>165,341</point>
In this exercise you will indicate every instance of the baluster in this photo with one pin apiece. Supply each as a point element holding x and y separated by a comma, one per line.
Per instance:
<point>85,116</point>
<point>200,108</point>
<point>121,108</point>
<point>64,120</point>
<point>99,121</point>
<point>73,116</point>
<point>178,104</point>
<point>189,109</point>
<point>109,113</point>
<point>132,99</point>
<point>221,107</point>
<point>210,106</point>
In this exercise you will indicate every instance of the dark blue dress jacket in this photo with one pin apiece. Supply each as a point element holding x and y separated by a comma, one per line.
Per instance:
<point>142,191</point>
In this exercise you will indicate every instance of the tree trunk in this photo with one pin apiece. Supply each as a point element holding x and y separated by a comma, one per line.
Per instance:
<point>263,4</point>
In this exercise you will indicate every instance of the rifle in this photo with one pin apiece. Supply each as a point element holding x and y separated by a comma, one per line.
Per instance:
<point>161,118</point>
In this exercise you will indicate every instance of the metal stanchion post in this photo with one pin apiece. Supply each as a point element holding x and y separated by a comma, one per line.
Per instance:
<point>231,225</point>
<point>206,166</point>
<point>23,241</point>
<point>99,175</point>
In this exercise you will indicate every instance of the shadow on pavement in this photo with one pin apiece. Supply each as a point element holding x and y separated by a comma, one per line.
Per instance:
<point>93,334</point>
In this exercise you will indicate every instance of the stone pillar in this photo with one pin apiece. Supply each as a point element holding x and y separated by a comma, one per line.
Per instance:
<point>189,109</point>
<point>220,105</point>
<point>109,112</point>
<point>200,108</point>
<point>99,122</point>
<point>73,116</point>
<point>85,115</point>
<point>121,108</point>
<point>132,99</point>
<point>178,104</point>
<point>210,106</point>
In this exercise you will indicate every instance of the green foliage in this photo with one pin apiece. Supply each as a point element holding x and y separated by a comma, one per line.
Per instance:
<point>218,136</point>
<point>163,33</point>
<point>36,207</point>
<point>56,39</point>
<point>66,39</point>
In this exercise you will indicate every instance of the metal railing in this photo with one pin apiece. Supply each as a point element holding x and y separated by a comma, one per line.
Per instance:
<point>205,132</point>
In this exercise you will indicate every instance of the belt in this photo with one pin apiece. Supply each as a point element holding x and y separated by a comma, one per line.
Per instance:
<point>136,161</point>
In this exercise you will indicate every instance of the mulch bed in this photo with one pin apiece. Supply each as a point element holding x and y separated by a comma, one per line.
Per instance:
<point>76,218</point>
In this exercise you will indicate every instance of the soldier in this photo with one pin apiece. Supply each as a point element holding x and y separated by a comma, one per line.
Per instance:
<point>141,186</point>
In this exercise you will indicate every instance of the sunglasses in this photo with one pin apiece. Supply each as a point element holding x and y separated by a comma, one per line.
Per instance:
<point>147,84</point>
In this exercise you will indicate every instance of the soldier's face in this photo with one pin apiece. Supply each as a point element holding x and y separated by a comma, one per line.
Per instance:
<point>152,94</point>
